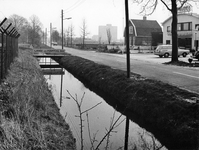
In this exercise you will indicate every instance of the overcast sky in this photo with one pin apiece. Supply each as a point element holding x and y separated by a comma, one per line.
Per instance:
<point>96,12</point>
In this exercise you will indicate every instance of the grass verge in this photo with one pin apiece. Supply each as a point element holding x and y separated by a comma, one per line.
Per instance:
<point>29,116</point>
<point>170,113</point>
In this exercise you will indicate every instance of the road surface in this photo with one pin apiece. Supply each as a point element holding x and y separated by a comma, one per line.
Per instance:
<point>147,65</point>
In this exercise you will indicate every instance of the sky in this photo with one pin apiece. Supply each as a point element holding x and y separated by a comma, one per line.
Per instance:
<point>95,13</point>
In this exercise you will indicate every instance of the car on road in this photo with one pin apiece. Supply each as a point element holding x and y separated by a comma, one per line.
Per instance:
<point>166,51</point>
<point>54,43</point>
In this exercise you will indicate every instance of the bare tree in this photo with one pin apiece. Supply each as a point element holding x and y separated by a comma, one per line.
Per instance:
<point>84,32</point>
<point>109,36</point>
<point>18,21</point>
<point>35,30</point>
<point>21,25</point>
<point>71,33</point>
<point>173,6</point>
<point>100,40</point>
<point>67,34</point>
<point>55,36</point>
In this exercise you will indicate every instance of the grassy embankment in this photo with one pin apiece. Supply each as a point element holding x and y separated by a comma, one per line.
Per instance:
<point>158,107</point>
<point>29,116</point>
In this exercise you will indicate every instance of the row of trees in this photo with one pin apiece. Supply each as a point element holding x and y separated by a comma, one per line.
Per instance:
<point>30,31</point>
<point>69,34</point>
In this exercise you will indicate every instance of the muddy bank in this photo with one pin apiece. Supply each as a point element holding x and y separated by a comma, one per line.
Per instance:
<point>29,116</point>
<point>158,107</point>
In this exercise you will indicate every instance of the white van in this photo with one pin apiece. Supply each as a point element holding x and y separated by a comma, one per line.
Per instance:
<point>166,51</point>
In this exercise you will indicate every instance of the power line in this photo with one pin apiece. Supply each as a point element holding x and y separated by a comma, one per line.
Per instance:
<point>78,3</point>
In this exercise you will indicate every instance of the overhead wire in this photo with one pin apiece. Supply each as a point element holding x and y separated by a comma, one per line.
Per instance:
<point>78,3</point>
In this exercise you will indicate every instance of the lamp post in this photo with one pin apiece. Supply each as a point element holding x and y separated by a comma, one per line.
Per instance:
<point>62,24</point>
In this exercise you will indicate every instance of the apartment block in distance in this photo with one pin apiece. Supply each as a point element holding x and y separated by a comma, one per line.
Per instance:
<point>102,33</point>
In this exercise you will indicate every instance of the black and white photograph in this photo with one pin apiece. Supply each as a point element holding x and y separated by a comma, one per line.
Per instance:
<point>99,74</point>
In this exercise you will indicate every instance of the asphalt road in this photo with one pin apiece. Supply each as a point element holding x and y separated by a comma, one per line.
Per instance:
<point>147,65</point>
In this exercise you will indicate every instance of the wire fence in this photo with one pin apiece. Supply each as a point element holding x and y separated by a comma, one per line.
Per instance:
<point>8,47</point>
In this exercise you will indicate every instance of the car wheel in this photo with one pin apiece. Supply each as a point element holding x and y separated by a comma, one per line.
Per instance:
<point>160,56</point>
<point>184,54</point>
<point>166,55</point>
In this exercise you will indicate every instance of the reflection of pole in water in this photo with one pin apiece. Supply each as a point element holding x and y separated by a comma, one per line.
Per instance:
<point>61,89</point>
<point>50,70</point>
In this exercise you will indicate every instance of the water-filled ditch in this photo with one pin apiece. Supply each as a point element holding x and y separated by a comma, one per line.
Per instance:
<point>96,121</point>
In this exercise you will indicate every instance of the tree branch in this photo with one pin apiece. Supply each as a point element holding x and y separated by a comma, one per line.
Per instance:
<point>166,5</point>
<point>91,108</point>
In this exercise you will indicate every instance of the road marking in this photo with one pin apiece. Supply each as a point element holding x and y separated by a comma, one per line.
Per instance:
<point>186,75</point>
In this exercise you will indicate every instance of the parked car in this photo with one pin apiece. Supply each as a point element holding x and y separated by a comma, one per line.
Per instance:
<point>166,51</point>
<point>196,55</point>
<point>54,43</point>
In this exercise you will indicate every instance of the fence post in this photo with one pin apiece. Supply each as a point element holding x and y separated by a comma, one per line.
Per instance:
<point>2,47</point>
<point>8,47</point>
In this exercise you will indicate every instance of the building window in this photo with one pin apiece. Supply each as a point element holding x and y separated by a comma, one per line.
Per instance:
<point>167,41</point>
<point>187,26</point>
<point>190,25</point>
<point>179,26</point>
<point>168,28</point>
<point>197,27</point>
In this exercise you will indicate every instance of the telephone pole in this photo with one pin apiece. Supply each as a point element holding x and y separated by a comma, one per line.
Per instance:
<point>62,33</point>
<point>50,34</point>
<point>128,68</point>
<point>62,24</point>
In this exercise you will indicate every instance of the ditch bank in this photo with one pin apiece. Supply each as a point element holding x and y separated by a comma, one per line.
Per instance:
<point>170,113</point>
<point>29,116</point>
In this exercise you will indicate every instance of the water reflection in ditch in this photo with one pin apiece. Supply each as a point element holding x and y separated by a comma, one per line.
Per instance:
<point>99,118</point>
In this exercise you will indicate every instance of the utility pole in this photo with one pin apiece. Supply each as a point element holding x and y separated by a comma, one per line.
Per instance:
<point>50,34</point>
<point>128,68</point>
<point>46,37</point>
<point>62,24</point>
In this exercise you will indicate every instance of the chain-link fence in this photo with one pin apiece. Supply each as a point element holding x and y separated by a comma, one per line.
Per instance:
<point>8,47</point>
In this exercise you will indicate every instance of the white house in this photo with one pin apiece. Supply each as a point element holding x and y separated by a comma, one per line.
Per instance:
<point>188,30</point>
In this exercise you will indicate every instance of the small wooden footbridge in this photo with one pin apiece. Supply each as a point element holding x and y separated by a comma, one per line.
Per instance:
<point>46,60</point>
<point>48,53</point>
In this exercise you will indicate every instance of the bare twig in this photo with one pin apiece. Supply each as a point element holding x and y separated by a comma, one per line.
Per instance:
<point>89,132</point>
<point>112,127</point>
<point>91,108</point>
<point>79,105</point>
<point>80,116</point>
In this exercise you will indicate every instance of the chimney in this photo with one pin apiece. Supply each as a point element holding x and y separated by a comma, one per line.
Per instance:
<point>144,18</point>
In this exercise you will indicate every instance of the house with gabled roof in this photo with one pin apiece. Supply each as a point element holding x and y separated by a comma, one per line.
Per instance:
<point>187,29</point>
<point>144,32</point>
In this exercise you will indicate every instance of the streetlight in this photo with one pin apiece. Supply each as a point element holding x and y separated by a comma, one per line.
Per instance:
<point>62,24</point>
